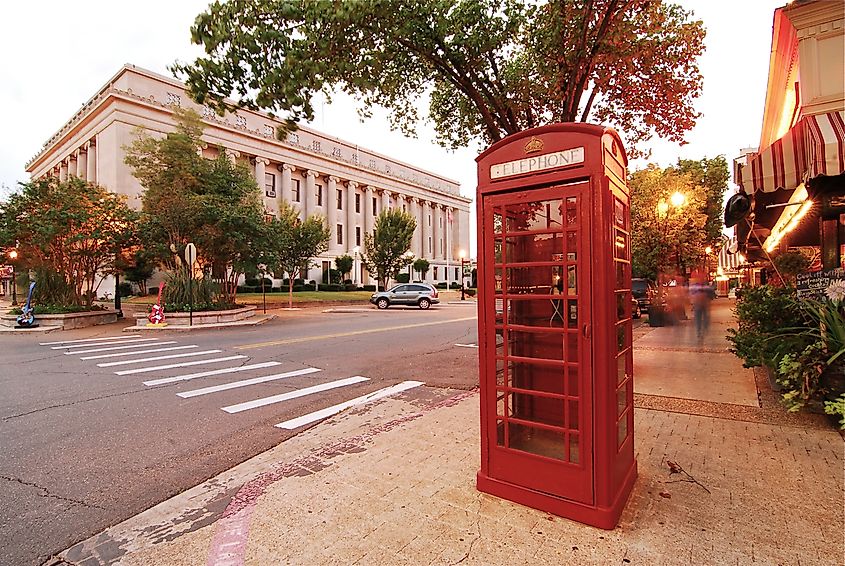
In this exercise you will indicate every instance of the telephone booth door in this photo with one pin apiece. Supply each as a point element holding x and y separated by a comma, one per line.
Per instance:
<point>540,276</point>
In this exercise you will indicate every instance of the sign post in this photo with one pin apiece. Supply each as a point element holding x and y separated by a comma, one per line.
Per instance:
<point>190,257</point>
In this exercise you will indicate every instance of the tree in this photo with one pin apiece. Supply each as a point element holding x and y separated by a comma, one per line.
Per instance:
<point>421,266</point>
<point>69,232</point>
<point>384,249</point>
<point>344,264</point>
<point>711,176</point>
<point>187,198</point>
<point>291,243</point>
<point>488,68</point>
<point>139,268</point>
<point>666,236</point>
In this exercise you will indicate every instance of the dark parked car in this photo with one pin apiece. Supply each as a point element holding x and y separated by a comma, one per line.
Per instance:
<point>643,291</point>
<point>422,295</point>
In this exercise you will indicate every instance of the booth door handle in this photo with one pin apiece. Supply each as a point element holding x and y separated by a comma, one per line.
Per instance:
<point>588,331</point>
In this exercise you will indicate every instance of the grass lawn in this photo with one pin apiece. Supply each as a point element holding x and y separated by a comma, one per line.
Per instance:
<point>282,298</point>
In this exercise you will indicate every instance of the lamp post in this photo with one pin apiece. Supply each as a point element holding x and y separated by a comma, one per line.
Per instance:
<point>462,255</point>
<point>356,250</point>
<point>708,251</point>
<point>13,255</point>
<point>676,201</point>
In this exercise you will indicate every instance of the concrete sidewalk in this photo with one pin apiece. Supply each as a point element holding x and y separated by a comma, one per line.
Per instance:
<point>394,483</point>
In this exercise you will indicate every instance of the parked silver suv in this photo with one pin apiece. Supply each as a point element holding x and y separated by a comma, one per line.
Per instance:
<point>421,294</point>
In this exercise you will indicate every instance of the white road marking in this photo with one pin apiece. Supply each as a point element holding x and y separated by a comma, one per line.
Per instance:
<point>211,372</point>
<point>180,365</point>
<point>335,409</point>
<point>136,352</point>
<point>467,345</point>
<point>294,394</point>
<point>245,382</point>
<point>147,345</point>
<point>90,340</point>
<point>157,358</point>
<point>135,341</point>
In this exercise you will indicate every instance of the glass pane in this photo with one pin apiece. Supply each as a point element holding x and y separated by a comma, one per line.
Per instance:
<point>622,399</point>
<point>500,342</point>
<point>574,449</point>
<point>538,280</point>
<point>497,252</point>
<point>572,314</point>
<point>571,211</point>
<point>545,345</point>
<point>572,347</point>
<point>620,336</point>
<point>620,306</point>
<point>543,215</point>
<point>544,410</point>
<point>619,213</point>
<point>500,432</point>
<point>622,430</point>
<point>549,443</point>
<point>497,280</point>
<point>523,248</point>
<point>574,375</point>
<point>571,246</point>
<point>544,313</point>
<point>500,404</point>
<point>536,377</point>
<point>501,372</point>
<point>621,374</point>
<point>497,221</point>
<point>571,280</point>
<point>620,245</point>
<point>620,275</point>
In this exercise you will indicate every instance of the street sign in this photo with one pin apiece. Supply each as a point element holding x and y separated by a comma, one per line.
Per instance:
<point>191,254</point>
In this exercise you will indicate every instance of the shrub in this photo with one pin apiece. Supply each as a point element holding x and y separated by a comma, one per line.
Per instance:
<point>441,285</point>
<point>469,292</point>
<point>202,291</point>
<point>403,278</point>
<point>125,289</point>
<point>455,285</point>
<point>350,287</point>
<point>368,288</point>
<point>331,287</point>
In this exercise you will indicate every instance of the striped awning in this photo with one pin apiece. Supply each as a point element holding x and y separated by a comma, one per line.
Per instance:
<point>814,146</point>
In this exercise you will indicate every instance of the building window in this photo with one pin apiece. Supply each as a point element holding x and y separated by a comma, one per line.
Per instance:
<point>457,274</point>
<point>429,245</point>
<point>372,163</point>
<point>357,235</point>
<point>174,99</point>
<point>375,206</point>
<point>340,199</point>
<point>270,185</point>
<point>429,220</point>
<point>293,138</point>
<point>357,203</point>
<point>340,234</point>
<point>268,130</point>
<point>404,207</point>
<point>315,145</point>
<point>319,195</point>
<point>435,273</point>
<point>335,152</point>
<point>240,122</point>
<point>268,218</point>
<point>295,190</point>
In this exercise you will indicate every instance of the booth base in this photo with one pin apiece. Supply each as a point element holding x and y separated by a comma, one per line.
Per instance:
<point>602,517</point>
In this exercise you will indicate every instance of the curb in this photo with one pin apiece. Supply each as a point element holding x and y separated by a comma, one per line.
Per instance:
<point>261,319</point>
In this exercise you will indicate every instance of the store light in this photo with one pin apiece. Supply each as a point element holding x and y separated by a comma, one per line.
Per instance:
<point>797,207</point>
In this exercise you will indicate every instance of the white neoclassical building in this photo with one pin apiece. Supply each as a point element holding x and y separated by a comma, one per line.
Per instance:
<point>347,184</point>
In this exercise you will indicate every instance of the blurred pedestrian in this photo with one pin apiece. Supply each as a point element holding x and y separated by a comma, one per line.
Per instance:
<point>701,294</point>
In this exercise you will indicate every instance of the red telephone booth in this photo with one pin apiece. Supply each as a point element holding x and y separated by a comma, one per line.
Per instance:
<point>554,322</point>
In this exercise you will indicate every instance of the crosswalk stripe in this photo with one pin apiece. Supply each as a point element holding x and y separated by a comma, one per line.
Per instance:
<point>148,344</point>
<point>294,394</point>
<point>245,382</point>
<point>211,372</point>
<point>333,410</point>
<point>157,358</point>
<point>90,340</point>
<point>135,341</point>
<point>179,365</point>
<point>136,352</point>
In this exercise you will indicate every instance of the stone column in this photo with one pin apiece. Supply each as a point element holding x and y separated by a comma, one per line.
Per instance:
<point>309,196</point>
<point>63,171</point>
<point>351,216</point>
<point>385,200</point>
<point>286,170</point>
<point>71,166</point>
<point>436,231</point>
<point>82,164</point>
<point>232,155</point>
<point>330,206</point>
<point>369,219</point>
<point>416,242</point>
<point>425,234</point>
<point>91,165</point>
<point>455,236</point>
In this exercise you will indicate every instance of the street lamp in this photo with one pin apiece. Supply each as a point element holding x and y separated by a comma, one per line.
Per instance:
<point>462,254</point>
<point>356,250</point>
<point>13,255</point>
<point>708,250</point>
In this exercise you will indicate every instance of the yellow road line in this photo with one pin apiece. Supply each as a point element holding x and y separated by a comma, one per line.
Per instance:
<point>344,334</point>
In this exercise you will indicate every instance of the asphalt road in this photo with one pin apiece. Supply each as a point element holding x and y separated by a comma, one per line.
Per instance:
<point>82,448</point>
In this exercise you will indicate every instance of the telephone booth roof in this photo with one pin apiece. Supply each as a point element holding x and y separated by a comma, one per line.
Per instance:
<point>541,141</point>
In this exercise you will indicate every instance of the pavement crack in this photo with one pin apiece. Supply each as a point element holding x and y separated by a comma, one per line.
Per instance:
<point>44,492</point>
<point>71,404</point>
<point>477,536</point>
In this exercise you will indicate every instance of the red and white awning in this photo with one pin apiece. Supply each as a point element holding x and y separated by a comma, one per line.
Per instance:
<point>814,146</point>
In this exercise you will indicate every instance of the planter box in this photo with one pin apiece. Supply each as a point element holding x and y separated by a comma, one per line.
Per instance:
<point>203,317</point>
<point>66,321</point>
<point>772,377</point>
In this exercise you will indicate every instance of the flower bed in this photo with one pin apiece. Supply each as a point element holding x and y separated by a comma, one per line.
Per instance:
<point>203,317</point>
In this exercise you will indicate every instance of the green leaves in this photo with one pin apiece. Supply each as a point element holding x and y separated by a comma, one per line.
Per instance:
<point>385,248</point>
<point>488,68</point>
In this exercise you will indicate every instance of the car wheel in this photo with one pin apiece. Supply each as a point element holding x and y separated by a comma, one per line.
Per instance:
<point>424,304</point>
<point>382,303</point>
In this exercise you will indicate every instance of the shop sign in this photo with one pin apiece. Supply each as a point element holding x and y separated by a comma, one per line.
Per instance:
<point>813,285</point>
<point>5,271</point>
<point>546,161</point>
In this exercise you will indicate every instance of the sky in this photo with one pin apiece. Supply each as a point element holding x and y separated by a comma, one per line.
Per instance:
<point>57,54</point>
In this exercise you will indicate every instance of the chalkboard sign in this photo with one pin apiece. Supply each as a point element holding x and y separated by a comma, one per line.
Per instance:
<point>813,285</point>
